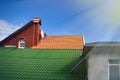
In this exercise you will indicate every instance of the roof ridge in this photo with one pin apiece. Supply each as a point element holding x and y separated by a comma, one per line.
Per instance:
<point>64,35</point>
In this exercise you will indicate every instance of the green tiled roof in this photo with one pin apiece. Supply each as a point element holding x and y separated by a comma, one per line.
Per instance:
<point>29,64</point>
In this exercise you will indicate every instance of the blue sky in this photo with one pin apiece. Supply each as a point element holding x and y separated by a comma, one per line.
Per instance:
<point>97,20</point>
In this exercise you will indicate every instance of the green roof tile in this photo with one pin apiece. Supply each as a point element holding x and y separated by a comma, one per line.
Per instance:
<point>29,64</point>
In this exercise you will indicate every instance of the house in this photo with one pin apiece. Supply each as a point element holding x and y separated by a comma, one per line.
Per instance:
<point>101,60</point>
<point>31,36</point>
<point>57,57</point>
<point>104,61</point>
<point>27,36</point>
<point>43,57</point>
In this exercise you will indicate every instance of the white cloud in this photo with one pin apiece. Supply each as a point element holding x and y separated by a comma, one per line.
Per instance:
<point>6,29</point>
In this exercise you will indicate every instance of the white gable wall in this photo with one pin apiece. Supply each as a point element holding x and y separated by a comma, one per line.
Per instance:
<point>98,61</point>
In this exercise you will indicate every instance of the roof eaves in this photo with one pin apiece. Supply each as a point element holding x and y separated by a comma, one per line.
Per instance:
<point>85,55</point>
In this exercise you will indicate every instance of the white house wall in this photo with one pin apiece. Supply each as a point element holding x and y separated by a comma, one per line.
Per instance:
<point>98,61</point>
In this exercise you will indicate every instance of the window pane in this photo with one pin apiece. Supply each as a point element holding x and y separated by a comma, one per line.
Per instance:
<point>22,45</point>
<point>114,61</point>
<point>114,73</point>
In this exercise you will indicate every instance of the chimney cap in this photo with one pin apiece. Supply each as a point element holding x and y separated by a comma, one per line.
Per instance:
<point>36,20</point>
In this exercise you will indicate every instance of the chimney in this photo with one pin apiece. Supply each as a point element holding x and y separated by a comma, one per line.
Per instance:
<point>37,20</point>
<point>37,24</point>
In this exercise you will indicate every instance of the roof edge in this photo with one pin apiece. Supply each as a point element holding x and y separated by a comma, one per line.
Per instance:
<point>15,33</point>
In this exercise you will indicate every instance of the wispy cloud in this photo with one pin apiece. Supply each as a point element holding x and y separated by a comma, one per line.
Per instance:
<point>66,33</point>
<point>6,29</point>
<point>98,20</point>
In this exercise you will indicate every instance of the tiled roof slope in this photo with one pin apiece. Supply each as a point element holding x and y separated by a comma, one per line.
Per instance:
<point>61,42</point>
<point>30,64</point>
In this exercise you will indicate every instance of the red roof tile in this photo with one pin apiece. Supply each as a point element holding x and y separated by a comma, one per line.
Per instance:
<point>61,42</point>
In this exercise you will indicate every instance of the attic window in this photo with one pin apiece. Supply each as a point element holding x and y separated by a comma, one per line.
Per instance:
<point>22,43</point>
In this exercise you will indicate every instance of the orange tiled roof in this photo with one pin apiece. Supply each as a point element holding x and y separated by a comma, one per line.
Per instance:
<point>61,42</point>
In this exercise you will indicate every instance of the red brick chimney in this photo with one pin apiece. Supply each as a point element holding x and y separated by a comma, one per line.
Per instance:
<point>37,31</point>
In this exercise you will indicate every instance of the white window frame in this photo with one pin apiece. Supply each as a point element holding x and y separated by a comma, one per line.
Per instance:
<point>21,41</point>
<point>113,65</point>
